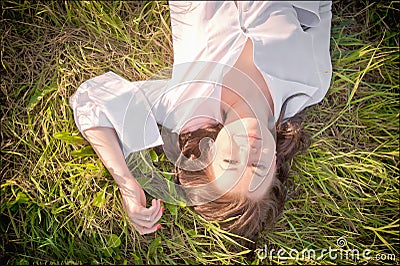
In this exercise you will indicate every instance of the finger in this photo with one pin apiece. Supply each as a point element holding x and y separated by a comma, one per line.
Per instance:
<point>153,219</point>
<point>152,211</point>
<point>157,211</point>
<point>143,223</point>
<point>148,214</point>
<point>147,221</point>
<point>156,215</point>
<point>143,212</point>
<point>144,230</point>
<point>147,230</point>
<point>159,214</point>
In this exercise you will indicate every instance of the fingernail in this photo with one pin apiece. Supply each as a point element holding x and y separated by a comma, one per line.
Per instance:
<point>162,209</point>
<point>159,226</point>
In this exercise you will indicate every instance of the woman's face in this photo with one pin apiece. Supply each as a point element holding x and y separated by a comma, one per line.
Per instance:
<point>244,159</point>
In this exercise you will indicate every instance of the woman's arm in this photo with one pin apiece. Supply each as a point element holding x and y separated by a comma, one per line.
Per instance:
<point>104,141</point>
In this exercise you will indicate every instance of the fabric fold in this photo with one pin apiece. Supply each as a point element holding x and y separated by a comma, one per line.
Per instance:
<point>307,12</point>
<point>123,106</point>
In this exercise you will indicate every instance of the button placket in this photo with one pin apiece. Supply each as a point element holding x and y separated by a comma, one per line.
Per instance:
<point>240,11</point>
<point>245,6</point>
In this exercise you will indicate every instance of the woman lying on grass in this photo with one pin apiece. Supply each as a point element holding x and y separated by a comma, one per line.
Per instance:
<point>242,73</point>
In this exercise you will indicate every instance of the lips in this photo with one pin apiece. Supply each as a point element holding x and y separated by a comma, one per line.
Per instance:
<point>254,137</point>
<point>250,137</point>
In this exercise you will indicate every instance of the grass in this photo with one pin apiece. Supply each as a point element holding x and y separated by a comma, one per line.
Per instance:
<point>60,206</point>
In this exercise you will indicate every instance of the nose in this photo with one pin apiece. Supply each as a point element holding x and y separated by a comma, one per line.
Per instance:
<point>253,149</point>
<point>248,149</point>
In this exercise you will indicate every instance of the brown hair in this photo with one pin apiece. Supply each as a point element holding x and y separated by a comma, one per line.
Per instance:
<point>252,216</point>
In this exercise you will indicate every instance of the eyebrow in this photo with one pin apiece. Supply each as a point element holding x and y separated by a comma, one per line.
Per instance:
<point>257,174</point>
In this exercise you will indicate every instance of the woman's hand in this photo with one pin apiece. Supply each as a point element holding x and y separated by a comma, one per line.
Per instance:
<point>143,219</point>
<point>104,141</point>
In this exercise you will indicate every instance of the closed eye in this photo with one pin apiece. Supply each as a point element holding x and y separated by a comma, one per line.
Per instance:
<point>228,164</point>
<point>260,169</point>
<point>230,161</point>
<point>259,166</point>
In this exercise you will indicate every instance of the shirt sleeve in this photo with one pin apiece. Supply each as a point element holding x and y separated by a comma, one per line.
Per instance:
<point>109,100</point>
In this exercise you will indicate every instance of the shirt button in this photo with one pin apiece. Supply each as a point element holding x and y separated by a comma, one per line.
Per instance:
<point>244,29</point>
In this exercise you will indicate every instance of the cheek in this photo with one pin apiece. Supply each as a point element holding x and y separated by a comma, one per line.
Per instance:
<point>223,144</point>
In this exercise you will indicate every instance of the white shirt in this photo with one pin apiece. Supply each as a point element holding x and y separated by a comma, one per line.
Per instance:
<point>292,61</point>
